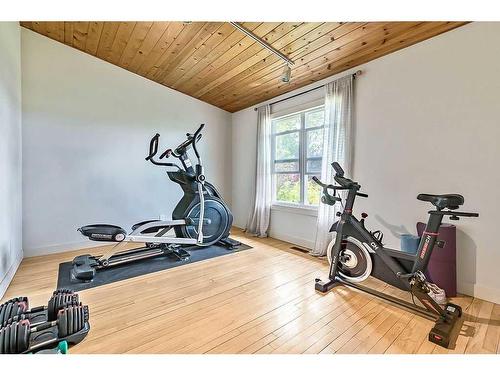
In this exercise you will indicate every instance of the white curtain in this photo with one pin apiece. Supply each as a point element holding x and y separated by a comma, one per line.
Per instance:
<point>337,146</point>
<point>258,222</point>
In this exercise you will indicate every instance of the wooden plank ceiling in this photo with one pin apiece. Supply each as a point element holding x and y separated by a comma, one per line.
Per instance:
<point>216,63</point>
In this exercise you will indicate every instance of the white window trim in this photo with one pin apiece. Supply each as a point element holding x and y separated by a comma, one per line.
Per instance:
<point>298,208</point>
<point>301,209</point>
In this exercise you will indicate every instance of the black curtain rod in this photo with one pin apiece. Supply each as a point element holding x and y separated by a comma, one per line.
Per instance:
<point>355,74</point>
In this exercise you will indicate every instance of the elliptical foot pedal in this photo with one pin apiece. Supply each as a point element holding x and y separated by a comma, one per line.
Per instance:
<point>229,243</point>
<point>176,252</point>
<point>181,254</point>
<point>84,268</point>
<point>103,232</point>
<point>447,326</point>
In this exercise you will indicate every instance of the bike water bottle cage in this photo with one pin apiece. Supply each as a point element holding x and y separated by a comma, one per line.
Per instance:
<point>378,235</point>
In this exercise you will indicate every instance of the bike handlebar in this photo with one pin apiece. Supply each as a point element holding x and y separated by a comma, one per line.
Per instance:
<point>330,199</point>
<point>316,179</point>
<point>338,169</point>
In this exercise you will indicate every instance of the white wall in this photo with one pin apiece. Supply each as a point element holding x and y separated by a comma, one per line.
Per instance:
<point>11,252</point>
<point>286,223</point>
<point>86,131</point>
<point>427,121</point>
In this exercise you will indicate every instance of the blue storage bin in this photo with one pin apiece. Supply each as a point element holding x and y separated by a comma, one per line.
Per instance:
<point>409,243</point>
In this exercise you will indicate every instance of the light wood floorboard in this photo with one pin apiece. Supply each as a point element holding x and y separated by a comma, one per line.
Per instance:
<point>260,300</point>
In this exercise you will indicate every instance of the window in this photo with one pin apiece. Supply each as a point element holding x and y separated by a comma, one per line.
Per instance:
<point>297,144</point>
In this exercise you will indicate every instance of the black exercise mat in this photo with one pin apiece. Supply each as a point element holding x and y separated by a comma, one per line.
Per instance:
<point>142,267</point>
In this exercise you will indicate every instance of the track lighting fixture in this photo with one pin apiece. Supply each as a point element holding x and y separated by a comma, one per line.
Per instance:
<point>287,74</point>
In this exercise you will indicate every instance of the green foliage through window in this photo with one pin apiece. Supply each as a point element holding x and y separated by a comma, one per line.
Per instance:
<point>298,150</point>
<point>287,146</point>
<point>288,188</point>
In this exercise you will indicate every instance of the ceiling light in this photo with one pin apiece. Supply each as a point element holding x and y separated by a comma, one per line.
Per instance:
<point>287,74</point>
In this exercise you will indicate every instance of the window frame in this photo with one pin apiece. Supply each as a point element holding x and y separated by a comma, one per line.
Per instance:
<point>302,155</point>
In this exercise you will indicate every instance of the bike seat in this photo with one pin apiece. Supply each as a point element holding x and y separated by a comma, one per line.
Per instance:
<point>451,201</point>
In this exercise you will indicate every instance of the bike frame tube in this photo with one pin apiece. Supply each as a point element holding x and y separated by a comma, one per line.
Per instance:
<point>428,241</point>
<point>348,225</point>
<point>426,312</point>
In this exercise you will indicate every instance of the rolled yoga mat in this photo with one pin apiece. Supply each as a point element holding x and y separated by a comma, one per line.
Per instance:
<point>442,268</point>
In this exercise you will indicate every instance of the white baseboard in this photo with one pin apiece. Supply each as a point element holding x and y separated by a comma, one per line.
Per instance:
<point>308,244</point>
<point>10,275</point>
<point>479,291</point>
<point>60,248</point>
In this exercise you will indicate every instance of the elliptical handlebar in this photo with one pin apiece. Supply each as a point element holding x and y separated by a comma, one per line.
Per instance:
<point>196,137</point>
<point>153,146</point>
<point>192,139</point>
<point>153,150</point>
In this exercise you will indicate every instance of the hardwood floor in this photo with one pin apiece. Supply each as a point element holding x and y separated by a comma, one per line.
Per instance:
<point>260,300</point>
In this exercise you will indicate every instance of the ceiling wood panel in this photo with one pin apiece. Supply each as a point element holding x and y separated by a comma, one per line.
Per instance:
<point>161,46</point>
<point>263,31</point>
<point>253,54</point>
<point>234,39</point>
<point>332,64</point>
<point>155,33</point>
<point>93,37</point>
<point>135,41</point>
<point>216,63</point>
<point>300,53</point>
<point>360,37</point>
<point>324,32</point>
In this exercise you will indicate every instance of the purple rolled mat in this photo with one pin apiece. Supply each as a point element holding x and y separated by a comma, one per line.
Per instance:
<point>442,268</point>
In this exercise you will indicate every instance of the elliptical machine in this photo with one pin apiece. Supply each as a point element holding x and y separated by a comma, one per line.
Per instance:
<point>201,218</point>
<point>357,253</point>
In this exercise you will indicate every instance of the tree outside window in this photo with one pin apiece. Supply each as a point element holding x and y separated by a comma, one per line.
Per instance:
<point>297,143</point>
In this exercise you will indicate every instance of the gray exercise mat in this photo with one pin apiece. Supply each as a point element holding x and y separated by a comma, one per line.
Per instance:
<point>138,268</point>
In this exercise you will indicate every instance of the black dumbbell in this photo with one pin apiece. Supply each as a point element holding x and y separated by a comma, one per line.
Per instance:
<point>21,337</point>
<point>17,309</point>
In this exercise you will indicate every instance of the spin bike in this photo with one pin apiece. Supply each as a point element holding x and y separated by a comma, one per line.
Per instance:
<point>201,218</point>
<point>357,253</point>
